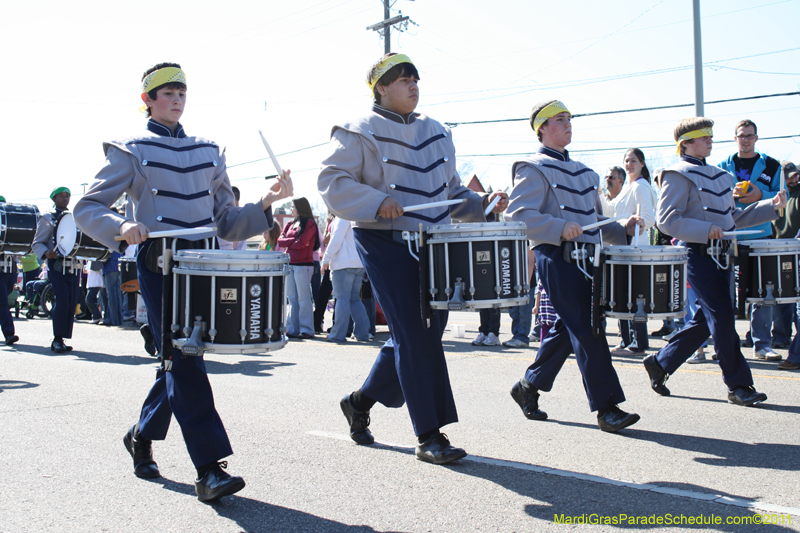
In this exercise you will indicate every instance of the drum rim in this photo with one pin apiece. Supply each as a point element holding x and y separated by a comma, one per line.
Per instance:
<point>231,273</point>
<point>476,227</point>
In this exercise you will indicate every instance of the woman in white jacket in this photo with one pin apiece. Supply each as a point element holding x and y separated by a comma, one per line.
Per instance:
<point>347,274</point>
<point>637,193</point>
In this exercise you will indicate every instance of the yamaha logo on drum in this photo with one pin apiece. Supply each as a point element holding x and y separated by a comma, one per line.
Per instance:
<point>676,286</point>
<point>255,312</point>
<point>505,274</point>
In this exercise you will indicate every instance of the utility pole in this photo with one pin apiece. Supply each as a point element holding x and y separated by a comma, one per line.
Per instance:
<point>384,27</point>
<point>698,61</point>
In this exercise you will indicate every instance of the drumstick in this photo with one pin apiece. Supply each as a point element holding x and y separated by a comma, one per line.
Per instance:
<point>783,188</point>
<point>491,205</point>
<point>171,233</point>
<point>636,230</point>
<point>434,204</point>
<point>740,232</point>
<point>272,155</point>
<point>603,222</point>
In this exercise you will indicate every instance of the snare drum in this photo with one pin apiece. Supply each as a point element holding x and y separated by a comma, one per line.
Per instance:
<point>643,283</point>
<point>17,227</point>
<point>768,271</point>
<point>129,274</point>
<point>72,242</point>
<point>478,266</point>
<point>229,301</point>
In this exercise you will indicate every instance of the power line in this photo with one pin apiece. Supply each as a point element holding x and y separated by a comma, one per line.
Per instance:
<point>285,153</point>
<point>587,150</point>
<point>577,115</point>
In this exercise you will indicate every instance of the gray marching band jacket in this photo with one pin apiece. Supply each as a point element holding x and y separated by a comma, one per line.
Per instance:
<point>551,190</point>
<point>175,183</point>
<point>412,161</point>
<point>695,196</point>
<point>43,239</point>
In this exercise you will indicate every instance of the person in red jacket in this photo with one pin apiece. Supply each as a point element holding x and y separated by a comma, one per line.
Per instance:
<point>300,238</point>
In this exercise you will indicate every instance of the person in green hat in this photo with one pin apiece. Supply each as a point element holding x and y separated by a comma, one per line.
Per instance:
<point>64,272</point>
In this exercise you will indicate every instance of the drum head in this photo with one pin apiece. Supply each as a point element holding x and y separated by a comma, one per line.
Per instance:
<point>66,234</point>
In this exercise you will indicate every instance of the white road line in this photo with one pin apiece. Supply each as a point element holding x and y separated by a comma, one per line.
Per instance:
<point>681,493</point>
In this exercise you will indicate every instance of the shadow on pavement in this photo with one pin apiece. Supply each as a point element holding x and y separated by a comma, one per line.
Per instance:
<point>245,368</point>
<point>254,516</point>
<point>14,385</point>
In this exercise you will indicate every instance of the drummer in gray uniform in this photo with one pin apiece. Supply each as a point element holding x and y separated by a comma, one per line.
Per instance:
<point>555,196</point>
<point>175,181</point>
<point>8,276</point>
<point>696,205</point>
<point>386,160</point>
<point>64,273</point>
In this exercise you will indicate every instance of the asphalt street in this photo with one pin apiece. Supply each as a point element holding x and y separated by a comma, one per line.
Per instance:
<point>692,456</point>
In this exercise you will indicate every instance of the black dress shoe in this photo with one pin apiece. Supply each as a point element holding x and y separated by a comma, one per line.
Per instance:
<point>359,422</point>
<point>149,341</point>
<point>216,483</point>
<point>665,330</point>
<point>141,451</point>
<point>613,419</point>
<point>59,346</point>
<point>528,401</point>
<point>747,396</point>
<point>11,340</point>
<point>747,343</point>
<point>658,378</point>
<point>438,450</point>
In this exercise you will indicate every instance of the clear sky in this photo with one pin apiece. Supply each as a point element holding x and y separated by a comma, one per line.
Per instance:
<point>72,70</point>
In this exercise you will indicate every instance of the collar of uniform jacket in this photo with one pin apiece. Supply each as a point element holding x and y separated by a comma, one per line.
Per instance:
<point>555,154</point>
<point>160,129</point>
<point>693,160</point>
<point>395,117</point>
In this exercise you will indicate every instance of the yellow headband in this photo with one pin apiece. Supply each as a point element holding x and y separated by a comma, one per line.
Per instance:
<point>385,66</point>
<point>695,134</point>
<point>161,77</point>
<point>549,111</point>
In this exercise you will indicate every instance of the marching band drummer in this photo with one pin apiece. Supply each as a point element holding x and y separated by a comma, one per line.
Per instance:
<point>390,158</point>
<point>175,181</point>
<point>7,280</point>
<point>555,196</point>
<point>696,206</point>
<point>66,282</point>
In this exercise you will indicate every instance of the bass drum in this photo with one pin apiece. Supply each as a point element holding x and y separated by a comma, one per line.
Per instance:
<point>17,227</point>
<point>72,242</point>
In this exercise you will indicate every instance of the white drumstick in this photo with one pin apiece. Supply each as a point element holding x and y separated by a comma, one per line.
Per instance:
<point>491,205</point>
<point>740,232</point>
<point>271,155</point>
<point>636,230</point>
<point>172,233</point>
<point>603,222</point>
<point>433,204</point>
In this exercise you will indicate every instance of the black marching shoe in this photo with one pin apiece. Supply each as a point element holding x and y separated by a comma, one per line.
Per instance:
<point>216,483</point>
<point>613,419</point>
<point>658,378</point>
<point>141,451</point>
<point>747,396</point>
<point>359,422</point>
<point>665,330</point>
<point>528,401</point>
<point>11,339</point>
<point>58,346</point>
<point>438,450</point>
<point>149,341</point>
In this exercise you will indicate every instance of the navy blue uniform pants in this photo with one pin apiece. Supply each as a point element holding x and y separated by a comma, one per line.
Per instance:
<point>7,280</point>
<point>66,289</point>
<point>571,295</point>
<point>714,316</point>
<point>411,366</point>
<point>184,391</point>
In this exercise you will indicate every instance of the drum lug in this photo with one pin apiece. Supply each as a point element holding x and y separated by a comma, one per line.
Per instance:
<point>457,303</point>
<point>640,315</point>
<point>769,299</point>
<point>194,345</point>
